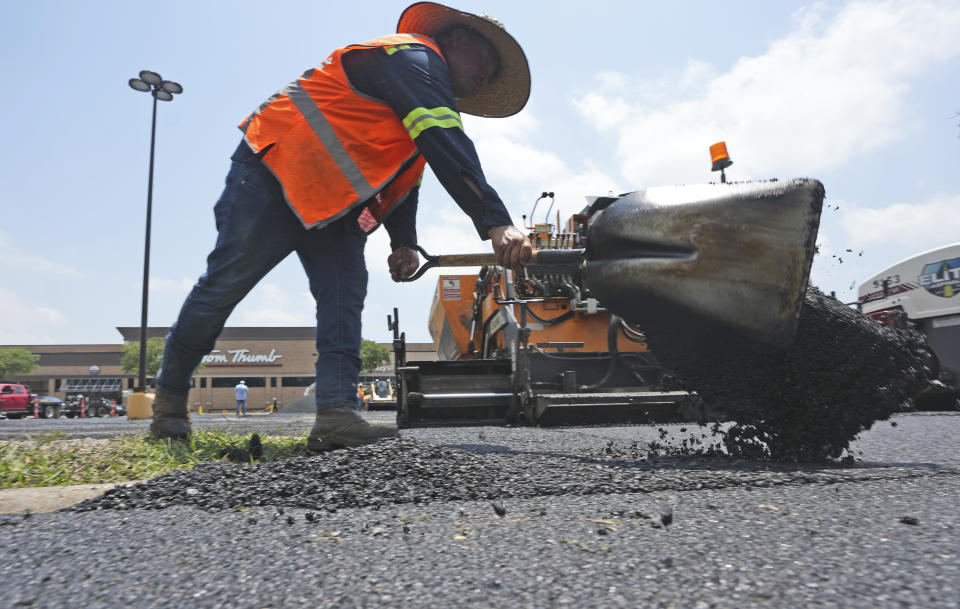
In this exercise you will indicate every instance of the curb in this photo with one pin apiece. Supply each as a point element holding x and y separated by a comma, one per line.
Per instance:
<point>45,499</point>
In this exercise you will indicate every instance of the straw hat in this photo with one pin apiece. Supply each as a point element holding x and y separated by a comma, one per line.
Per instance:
<point>506,94</point>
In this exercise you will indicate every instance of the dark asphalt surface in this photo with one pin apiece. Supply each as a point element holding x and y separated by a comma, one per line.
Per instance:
<point>107,427</point>
<point>750,535</point>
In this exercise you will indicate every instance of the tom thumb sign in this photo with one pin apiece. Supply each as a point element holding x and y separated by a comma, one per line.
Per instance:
<point>241,357</point>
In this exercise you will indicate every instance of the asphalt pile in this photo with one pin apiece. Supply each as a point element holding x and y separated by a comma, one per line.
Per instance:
<point>407,471</point>
<point>843,373</point>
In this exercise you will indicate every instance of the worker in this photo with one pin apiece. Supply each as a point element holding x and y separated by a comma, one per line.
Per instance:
<point>325,161</point>
<point>240,392</point>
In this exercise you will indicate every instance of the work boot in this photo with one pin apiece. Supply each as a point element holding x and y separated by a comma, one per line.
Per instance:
<point>343,427</point>
<point>170,416</point>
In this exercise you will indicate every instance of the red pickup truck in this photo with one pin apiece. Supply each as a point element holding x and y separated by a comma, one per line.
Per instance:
<point>15,400</point>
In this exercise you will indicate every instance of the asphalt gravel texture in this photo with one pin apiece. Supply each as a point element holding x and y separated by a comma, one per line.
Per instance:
<point>843,373</point>
<point>525,517</point>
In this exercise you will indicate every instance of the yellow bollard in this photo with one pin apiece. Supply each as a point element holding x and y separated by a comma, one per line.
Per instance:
<point>140,406</point>
<point>199,408</point>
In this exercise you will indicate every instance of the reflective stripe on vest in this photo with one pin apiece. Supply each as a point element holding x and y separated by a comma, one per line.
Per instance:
<point>420,119</point>
<point>321,127</point>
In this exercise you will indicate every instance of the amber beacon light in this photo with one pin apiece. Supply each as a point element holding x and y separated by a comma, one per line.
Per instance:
<point>721,160</point>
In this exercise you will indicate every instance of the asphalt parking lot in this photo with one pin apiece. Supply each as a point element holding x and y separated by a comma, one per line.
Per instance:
<point>587,522</point>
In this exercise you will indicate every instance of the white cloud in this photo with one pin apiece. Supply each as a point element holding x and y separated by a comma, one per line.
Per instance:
<point>378,249</point>
<point>829,90</point>
<point>521,124</point>
<point>612,81</point>
<point>520,170</point>
<point>270,305</point>
<point>696,73</point>
<point>507,160</point>
<point>22,262</point>
<point>181,286</point>
<point>603,109</point>
<point>856,242</point>
<point>449,232</point>
<point>912,226</point>
<point>33,323</point>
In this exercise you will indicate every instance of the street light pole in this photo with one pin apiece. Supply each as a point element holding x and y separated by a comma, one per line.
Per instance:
<point>142,379</point>
<point>164,90</point>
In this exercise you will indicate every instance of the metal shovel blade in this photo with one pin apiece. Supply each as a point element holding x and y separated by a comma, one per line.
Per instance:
<point>735,256</point>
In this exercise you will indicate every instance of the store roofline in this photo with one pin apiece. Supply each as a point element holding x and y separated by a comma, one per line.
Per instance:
<point>132,334</point>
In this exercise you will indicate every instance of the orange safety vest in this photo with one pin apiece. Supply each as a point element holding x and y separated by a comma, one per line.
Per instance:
<point>333,148</point>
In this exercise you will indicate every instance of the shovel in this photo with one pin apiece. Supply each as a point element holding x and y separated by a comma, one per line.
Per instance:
<point>732,256</point>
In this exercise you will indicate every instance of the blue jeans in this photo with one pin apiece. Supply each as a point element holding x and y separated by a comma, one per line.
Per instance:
<point>241,404</point>
<point>256,230</point>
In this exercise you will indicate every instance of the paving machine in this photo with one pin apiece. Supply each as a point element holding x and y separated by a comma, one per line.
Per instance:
<point>563,341</point>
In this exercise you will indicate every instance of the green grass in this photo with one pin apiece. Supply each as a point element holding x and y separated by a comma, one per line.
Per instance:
<point>54,459</point>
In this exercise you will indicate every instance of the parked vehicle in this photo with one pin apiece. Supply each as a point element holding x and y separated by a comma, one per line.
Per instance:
<point>925,287</point>
<point>15,400</point>
<point>95,406</point>
<point>49,406</point>
<point>76,406</point>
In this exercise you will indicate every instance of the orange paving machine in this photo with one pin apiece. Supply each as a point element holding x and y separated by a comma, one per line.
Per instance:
<point>533,347</point>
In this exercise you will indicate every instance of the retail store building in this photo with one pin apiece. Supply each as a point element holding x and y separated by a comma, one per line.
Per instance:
<point>275,362</point>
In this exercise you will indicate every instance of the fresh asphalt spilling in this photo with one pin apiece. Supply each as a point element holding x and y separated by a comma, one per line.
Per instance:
<point>412,523</point>
<point>842,373</point>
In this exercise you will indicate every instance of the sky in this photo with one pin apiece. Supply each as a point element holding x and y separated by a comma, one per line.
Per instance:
<point>863,96</point>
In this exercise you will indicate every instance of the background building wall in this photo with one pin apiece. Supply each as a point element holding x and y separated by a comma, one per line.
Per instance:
<point>275,362</point>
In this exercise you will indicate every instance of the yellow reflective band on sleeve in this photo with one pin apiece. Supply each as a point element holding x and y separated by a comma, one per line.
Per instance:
<point>424,118</point>
<point>394,49</point>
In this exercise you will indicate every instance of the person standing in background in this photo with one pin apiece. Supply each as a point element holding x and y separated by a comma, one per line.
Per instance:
<point>240,391</point>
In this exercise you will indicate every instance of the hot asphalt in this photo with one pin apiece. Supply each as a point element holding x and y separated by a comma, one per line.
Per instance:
<point>589,521</point>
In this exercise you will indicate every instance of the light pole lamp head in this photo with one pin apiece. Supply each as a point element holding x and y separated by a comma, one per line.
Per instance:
<point>138,85</point>
<point>171,87</point>
<point>151,82</point>
<point>151,78</point>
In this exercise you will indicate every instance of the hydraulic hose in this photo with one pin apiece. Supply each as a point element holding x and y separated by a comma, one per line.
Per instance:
<point>552,321</point>
<point>631,334</point>
<point>613,329</point>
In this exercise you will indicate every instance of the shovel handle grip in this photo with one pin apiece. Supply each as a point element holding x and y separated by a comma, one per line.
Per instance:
<point>544,258</point>
<point>485,259</point>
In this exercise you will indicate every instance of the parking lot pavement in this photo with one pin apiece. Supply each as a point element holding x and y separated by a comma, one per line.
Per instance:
<point>880,533</point>
<point>271,424</point>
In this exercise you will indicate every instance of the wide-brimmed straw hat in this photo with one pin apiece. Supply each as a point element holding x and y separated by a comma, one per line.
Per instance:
<point>508,92</point>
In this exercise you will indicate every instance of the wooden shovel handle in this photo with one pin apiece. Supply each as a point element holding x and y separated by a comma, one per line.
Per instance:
<point>485,259</point>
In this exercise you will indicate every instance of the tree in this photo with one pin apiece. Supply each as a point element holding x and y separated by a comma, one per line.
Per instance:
<point>16,361</point>
<point>373,355</point>
<point>131,357</point>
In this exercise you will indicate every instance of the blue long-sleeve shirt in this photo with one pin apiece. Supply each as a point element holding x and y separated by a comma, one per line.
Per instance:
<point>411,77</point>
